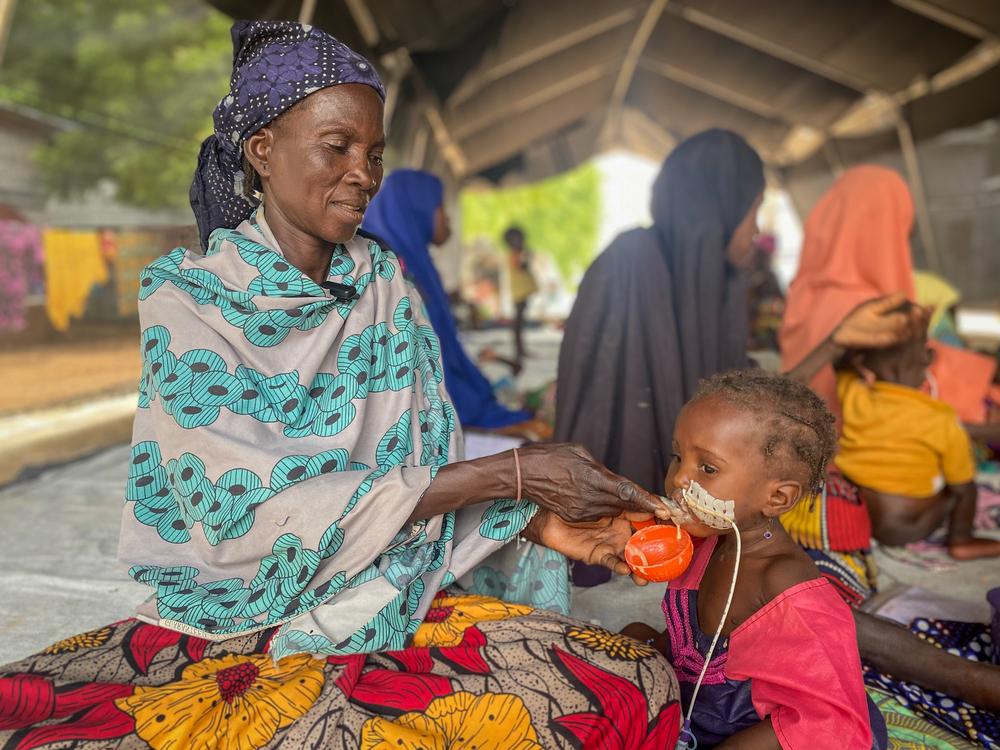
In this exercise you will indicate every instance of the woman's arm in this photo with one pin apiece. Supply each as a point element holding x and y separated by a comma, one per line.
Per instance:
<point>562,478</point>
<point>760,736</point>
<point>585,510</point>
<point>875,324</point>
<point>825,354</point>
<point>465,483</point>
<point>988,432</point>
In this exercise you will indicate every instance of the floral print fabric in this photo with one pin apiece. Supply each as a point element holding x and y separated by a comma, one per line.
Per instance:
<point>487,675</point>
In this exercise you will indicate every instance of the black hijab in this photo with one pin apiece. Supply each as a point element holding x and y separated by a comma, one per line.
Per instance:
<point>658,310</point>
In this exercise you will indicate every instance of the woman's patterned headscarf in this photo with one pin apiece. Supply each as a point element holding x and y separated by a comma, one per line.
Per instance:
<point>276,64</point>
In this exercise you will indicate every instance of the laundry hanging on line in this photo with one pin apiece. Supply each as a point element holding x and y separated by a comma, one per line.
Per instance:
<point>73,264</point>
<point>20,271</point>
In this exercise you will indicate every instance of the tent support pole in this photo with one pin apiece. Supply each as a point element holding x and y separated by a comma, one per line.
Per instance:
<point>364,20</point>
<point>613,124</point>
<point>6,21</point>
<point>920,205</point>
<point>738,34</point>
<point>780,178</point>
<point>833,159</point>
<point>306,11</point>
<point>418,150</point>
<point>945,17</point>
<point>397,66</point>
<point>432,113</point>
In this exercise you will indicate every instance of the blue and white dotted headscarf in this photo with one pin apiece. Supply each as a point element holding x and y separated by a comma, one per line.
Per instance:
<point>276,64</point>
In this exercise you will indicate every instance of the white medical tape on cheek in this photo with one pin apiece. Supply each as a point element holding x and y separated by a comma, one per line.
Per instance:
<point>719,514</point>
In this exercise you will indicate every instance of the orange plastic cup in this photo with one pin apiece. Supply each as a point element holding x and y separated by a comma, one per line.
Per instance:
<point>659,553</point>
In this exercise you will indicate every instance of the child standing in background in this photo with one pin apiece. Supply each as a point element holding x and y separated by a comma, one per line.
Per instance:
<point>522,286</point>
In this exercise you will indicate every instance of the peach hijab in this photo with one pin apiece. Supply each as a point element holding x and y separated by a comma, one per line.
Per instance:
<point>857,247</point>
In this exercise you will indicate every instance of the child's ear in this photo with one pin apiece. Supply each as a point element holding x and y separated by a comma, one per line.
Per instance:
<point>857,362</point>
<point>783,496</point>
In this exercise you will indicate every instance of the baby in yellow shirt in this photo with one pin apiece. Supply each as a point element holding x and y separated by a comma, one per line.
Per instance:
<point>907,451</point>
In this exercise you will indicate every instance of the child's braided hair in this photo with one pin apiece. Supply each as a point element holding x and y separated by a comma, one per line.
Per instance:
<point>795,422</point>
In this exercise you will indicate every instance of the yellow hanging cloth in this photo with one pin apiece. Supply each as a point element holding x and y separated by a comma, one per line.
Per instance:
<point>73,264</point>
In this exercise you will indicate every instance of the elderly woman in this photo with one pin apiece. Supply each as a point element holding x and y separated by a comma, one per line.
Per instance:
<point>296,496</point>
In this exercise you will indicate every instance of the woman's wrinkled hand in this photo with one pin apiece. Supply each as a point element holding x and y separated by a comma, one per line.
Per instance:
<point>565,479</point>
<point>874,325</point>
<point>600,542</point>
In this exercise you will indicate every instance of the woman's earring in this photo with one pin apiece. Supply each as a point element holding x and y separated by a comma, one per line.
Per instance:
<point>770,525</point>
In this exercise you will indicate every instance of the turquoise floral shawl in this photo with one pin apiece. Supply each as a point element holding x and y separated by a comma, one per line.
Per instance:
<point>282,440</point>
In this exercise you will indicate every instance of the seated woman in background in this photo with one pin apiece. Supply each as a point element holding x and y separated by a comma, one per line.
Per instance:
<point>856,244</point>
<point>408,214</point>
<point>856,247</point>
<point>907,451</point>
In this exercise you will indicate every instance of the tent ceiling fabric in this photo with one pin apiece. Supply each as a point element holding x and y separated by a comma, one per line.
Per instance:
<point>526,88</point>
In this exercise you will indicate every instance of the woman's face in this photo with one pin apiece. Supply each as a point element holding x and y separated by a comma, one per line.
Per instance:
<point>321,163</point>
<point>442,226</point>
<point>740,250</point>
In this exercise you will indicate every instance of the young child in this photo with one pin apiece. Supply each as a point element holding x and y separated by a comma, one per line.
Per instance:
<point>907,451</point>
<point>786,671</point>
<point>522,286</point>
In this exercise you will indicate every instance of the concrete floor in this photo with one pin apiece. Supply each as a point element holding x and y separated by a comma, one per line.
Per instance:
<point>58,573</point>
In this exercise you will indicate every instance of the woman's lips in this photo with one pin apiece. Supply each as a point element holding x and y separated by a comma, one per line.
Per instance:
<point>353,211</point>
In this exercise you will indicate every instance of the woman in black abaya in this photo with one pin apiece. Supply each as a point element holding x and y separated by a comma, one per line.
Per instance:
<point>661,308</point>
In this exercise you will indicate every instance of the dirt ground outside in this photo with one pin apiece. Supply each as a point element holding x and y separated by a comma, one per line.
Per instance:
<point>46,374</point>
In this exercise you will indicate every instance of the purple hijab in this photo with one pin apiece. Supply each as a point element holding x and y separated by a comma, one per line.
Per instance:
<point>276,64</point>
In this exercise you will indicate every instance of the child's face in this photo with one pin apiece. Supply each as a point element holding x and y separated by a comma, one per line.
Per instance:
<point>717,445</point>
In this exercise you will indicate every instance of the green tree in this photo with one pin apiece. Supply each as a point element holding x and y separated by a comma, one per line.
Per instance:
<point>559,216</point>
<point>140,79</point>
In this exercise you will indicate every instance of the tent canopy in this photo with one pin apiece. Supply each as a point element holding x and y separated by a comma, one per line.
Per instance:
<point>523,89</point>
